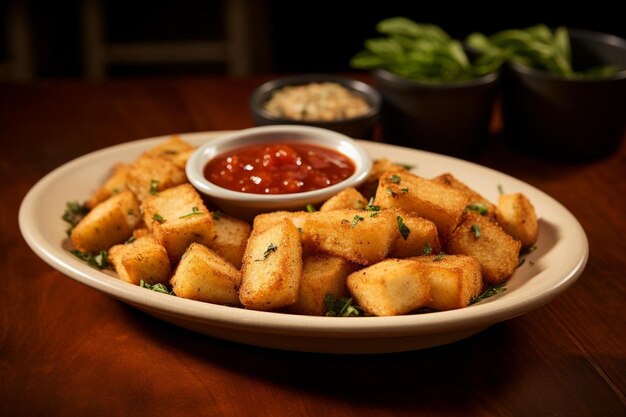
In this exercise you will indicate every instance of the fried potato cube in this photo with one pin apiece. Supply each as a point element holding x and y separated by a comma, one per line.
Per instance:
<point>441,204</point>
<point>272,268</point>
<point>475,201</point>
<point>321,275</point>
<point>174,149</point>
<point>496,250</point>
<point>143,259</point>
<point>115,184</point>
<point>453,280</point>
<point>351,234</point>
<point>177,217</point>
<point>203,275</point>
<point>231,237</point>
<point>389,288</point>
<point>420,236</point>
<point>149,175</point>
<point>516,215</point>
<point>349,198</point>
<point>109,223</point>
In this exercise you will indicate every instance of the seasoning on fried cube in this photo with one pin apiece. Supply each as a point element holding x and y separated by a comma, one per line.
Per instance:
<point>321,275</point>
<point>516,215</point>
<point>107,224</point>
<point>390,287</point>
<point>453,280</point>
<point>475,201</point>
<point>496,250</point>
<point>231,237</point>
<point>348,198</point>
<point>177,217</point>
<point>203,275</point>
<point>436,202</point>
<point>272,267</point>
<point>143,259</point>
<point>417,237</point>
<point>264,221</point>
<point>356,235</point>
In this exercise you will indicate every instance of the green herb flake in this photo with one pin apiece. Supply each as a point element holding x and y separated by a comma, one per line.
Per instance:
<point>270,248</point>
<point>403,228</point>
<point>340,307</point>
<point>74,212</point>
<point>310,208</point>
<point>194,211</point>
<point>404,190</point>
<point>395,179</point>
<point>475,230</point>
<point>98,260</point>
<point>355,220</point>
<point>479,208</point>
<point>529,249</point>
<point>439,257</point>
<point>130,240</point>
<point>490,291</point>
<point>217,214</point>
<point>390,192</point>
<point>427,249</point>
<point>158,218</point>
<point>154,186</point>
<point>521,262</point>
<point>408,167</point>
<point>300,230</point>
<point>500,189</point>
<point>531,263</point>
<point>372,208</point>
<point>158,287</point>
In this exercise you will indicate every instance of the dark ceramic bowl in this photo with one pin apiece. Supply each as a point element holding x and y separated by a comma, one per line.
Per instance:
<point>568,119</point>
<point>449,118</point>
<point>358,127</point>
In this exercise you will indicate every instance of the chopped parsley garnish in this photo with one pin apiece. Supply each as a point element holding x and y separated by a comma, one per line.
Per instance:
<point>439,257</point>
<point>157,217</point>
<point>270,248</point>
<point>217,214</point>
<point>154,186</point>
<point>427,250</point>
<point>404,190</point>
<point>310,208</point>
<point>479,208</point>
<point>475,230</point>
<point>500,189</point>
<point>131,239</point>
<point>408,167</point>
<point>300,230</point>
<point>98,260</point>
<point>158,287</point>
<point>131,212</point>
<point>372,208</point>
<point>521,262</point>
<point>531,263</point>
<point>395,179</point>
<point>489,292</point>
<point>404,230</point>
<point>356,219</point>
<point>74,212</point>
<point>390,192</point>
<point>194,211</point>
<point>340,307</point>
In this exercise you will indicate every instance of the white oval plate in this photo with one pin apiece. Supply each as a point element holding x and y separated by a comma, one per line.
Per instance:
<point>561,255</point>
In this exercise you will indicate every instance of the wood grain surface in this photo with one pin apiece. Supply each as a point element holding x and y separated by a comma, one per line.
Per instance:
<point>68,350</point>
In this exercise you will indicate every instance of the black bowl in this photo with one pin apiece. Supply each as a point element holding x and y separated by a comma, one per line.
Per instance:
<point>568,119</point>
<point>450,118</point>
<point>358,127</point>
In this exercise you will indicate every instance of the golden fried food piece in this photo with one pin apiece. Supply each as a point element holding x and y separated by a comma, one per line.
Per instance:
<point>231,238</point>
<point>417,237</point>
<point>203,275</point>
<point>348,198</point>
<point>143,259</point>
<point>475,201</point>
<point>107,224</point>
<point>516,215</point>
<point>272,268</point>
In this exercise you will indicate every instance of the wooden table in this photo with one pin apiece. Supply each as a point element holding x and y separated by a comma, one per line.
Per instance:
<point>66,349</point>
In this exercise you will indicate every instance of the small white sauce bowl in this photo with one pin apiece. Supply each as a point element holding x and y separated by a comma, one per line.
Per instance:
<point>247,205</point>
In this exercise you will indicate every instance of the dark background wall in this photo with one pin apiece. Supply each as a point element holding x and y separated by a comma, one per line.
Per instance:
<point>312,36</point>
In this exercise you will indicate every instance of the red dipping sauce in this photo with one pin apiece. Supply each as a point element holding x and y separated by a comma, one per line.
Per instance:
<point>278,168</point>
